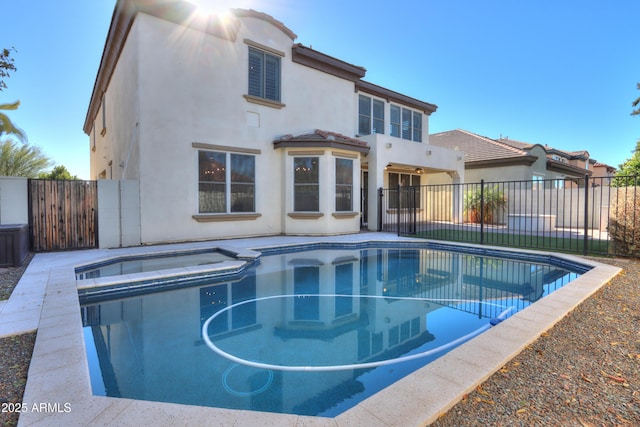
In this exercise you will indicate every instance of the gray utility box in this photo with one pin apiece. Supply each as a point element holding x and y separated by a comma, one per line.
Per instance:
<point>14,244</point>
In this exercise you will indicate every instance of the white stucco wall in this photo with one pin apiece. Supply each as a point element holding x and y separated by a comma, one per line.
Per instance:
<point>115,140</point>
<point>203,80</point>
<point>502,173</point>
<point>118,213</point>
<point>14,205</point>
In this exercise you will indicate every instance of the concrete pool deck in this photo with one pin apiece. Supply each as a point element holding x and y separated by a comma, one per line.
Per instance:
<point>58,389</point>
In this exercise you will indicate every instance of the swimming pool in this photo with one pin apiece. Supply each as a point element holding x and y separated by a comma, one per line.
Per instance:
<point>301,314</point>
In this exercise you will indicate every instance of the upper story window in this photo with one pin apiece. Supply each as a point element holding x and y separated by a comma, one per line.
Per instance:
<point>104,115</point>
<point>264,75</point>
<point>371,115</point>
<point>405,123</point>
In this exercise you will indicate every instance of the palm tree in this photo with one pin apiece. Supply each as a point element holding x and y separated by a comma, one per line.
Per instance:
<point>6,127</point>
<point>21,159</point>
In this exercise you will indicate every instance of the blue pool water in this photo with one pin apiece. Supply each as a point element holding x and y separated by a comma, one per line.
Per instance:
<point>310,332</point>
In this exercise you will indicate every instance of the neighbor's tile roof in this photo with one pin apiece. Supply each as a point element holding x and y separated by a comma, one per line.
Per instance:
<point>550,150</point>
<point>517,144</point>
<point>476,147</point>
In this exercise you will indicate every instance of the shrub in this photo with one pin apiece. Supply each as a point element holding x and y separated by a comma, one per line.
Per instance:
<point>495,201</point>
<point>624,223</point>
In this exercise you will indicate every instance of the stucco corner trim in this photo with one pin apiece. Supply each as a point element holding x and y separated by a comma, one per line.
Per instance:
<point>345,215</point>
<point>226,217</point>
<point>262,101</point>
<point>305,215</point>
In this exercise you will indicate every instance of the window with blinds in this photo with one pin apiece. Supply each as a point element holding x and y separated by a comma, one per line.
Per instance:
<point>264,75</point>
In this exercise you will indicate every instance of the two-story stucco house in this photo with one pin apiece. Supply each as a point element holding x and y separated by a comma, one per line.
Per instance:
<point>230,128</point>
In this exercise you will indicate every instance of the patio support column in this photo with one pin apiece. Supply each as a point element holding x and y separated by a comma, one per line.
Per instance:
<point>376,180</point>
<point>457,214</point>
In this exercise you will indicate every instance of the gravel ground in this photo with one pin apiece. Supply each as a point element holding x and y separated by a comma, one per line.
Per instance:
<point>584,372</point>
<point>15,352</point>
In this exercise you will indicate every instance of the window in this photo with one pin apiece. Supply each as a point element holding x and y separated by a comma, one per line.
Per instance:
<point>364,120</point>
<point>404,180</point>
<point>417,126</point>
<point>405,123</point>
<point>344,185</point>
<point>104,115</point>
<point>371,115</point>
<point>306,194</point>
<point>225,189</point>
<point>264,75</point>
<point>395,121</point>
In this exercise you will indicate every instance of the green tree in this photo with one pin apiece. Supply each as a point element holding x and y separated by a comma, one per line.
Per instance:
<point>6,65</point>
<point>58,172</point>
<point>629,171</point>
<point>6,127</point>
<point>18,159</point>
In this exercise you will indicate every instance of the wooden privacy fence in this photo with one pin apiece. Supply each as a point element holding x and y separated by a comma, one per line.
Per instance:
<point>63,214</point>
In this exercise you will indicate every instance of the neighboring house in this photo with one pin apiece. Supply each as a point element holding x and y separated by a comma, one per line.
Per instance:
<point>229,128</point>
<point>601,169</point>
<point>505,159</point>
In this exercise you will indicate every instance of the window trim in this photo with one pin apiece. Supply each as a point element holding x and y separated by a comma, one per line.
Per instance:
<point>338,184</point>
<point>371,116</point>
<point>263,101</point>
<point>228,214</point>
<point>411,130</point>
<point>317,184</point>
<point>265,52</point>
<point>103,132</point>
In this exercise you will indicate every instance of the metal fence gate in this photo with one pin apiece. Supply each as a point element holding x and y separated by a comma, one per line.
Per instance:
<point>63,214</point>
<point>584,215</point>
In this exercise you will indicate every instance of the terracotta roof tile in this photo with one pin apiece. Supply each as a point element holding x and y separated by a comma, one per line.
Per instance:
<point>476,147</point>
<point>322,138</point>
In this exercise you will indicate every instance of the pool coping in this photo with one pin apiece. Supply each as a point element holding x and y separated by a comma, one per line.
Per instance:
<point>58,381</point>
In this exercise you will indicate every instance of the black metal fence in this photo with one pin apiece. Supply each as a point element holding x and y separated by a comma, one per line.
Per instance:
<point>585,215</point>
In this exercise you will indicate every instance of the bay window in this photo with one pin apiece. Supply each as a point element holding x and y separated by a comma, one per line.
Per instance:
<point>344,185</point>
<point>306,192</point>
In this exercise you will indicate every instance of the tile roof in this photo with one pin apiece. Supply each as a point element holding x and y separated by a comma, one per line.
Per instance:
<point>476,147</point>
<point>322,138</point>
<point>582,154</point>
<point>517,144</point>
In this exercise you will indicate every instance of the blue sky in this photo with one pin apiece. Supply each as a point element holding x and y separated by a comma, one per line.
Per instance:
<point>561,73</point>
